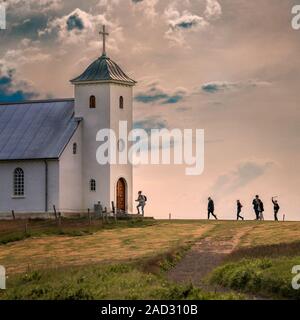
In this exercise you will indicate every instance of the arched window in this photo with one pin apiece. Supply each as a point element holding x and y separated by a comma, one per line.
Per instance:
<point>19,182</point>
<point>121,102</point>
<point>93,185</point>
<point>92,102</point>
<point>75,148</point>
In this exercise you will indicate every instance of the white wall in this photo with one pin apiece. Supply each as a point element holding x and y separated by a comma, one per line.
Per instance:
<point>35,195</point>
<point>70,178</point>
<point>125,114</point>
<point>106,115</point>
<point>93,121</point>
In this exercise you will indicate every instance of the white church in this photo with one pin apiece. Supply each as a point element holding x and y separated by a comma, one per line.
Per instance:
<point>48,148</point>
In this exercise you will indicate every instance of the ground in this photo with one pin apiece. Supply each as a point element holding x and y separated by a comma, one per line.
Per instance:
<point>150,260</point>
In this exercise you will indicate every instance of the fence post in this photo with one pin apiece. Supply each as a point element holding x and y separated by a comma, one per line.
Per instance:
<point>13,214</point>
<point>59,219</point>
<point>89,216</point>
<point>114,210</point>
<point>26,226</point>
<point>55,213</point>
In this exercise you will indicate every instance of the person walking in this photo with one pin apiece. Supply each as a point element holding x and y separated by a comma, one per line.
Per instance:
<point>258,207</point>
<point>276,208</point>
<point>211,208</point>
<point>141,203</point>
<point>239,210</point>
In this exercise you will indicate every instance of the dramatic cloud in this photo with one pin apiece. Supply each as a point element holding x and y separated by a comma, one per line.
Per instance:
<point>158,95</point>
<point>221,86</point>
<point>245,173</point>
<point>12,90</point>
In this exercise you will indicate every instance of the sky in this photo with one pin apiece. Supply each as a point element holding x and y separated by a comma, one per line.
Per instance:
<point>230,67</point>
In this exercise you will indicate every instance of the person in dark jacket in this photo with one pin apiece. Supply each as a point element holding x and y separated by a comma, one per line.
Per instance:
<point>211,208</point>
<point>276,209</point>
<point>239,210</point>
<point>258,207</point>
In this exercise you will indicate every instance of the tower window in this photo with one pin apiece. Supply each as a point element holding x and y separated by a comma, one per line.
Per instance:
<point>92,102</point>
<point>121,102</point>
<point>75,148</point>
<point>93,185</point>
<point>19,182</point>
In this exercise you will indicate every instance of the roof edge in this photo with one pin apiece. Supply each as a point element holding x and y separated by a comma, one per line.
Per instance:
<point>127,83</point>
<point>37,101</point>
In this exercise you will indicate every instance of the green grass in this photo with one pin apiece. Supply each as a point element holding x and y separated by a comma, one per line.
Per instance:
<point>260,276</point>
<point>117,281</point>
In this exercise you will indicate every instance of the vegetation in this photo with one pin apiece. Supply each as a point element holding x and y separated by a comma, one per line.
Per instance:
<point>264,277</point>
<point>130,259</point>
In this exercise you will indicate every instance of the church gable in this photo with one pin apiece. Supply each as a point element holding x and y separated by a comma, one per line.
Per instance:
<point>36,129</point>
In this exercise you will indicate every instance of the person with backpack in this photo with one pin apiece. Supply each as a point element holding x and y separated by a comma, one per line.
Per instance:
<point>239,210</point>
<point>276,209</point>
<point>141,203</point>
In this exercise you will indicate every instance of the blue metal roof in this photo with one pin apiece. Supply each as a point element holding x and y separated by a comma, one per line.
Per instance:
<point>104,70</point>
<point>36,129</point>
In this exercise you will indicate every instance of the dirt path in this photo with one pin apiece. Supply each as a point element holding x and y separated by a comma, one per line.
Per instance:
<point>204,256</point>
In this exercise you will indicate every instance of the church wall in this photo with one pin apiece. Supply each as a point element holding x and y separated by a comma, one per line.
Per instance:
<point>125,114</point>
<point>93,121</point>
<point>70,176</point>
<point>34,182</point>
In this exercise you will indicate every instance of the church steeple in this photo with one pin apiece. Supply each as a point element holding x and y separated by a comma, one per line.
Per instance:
<point>104,70</point>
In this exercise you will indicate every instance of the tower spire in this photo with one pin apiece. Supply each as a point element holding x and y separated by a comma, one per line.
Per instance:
<point>104,34</point>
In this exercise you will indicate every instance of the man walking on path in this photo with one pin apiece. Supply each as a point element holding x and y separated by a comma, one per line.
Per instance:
<point>142,202</point>
<point>276,209</point>
<point>239,210</point>
<point>258,207</point>
<point>211,208</point>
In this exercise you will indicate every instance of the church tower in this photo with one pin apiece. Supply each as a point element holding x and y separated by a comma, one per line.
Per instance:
<point>103,98</point>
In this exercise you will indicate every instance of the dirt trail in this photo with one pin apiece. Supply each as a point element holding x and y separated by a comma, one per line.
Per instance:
<point>204,256</point>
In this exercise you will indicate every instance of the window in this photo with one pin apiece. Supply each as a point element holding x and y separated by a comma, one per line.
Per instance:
<point>18,182</point>
<point>92,102</point>
<point>93,185</point>
<point>75,148</point>
<point>121,102</point>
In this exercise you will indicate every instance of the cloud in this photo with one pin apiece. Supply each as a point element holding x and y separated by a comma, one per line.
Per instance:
<point>74,22</point>
<point>179,22</point>
<point>213,10</point>
<point>222,86</point>
<point>158,95</point>
<point>25,6</point>
<point>245,173</point>
<point>12,90</point>
<point>150,123</point>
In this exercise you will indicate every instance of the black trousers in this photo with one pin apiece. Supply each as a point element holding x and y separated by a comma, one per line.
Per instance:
<point>211,212</point>
<point>257,214</point>
<point>239,215</point>
<point>276,214</point>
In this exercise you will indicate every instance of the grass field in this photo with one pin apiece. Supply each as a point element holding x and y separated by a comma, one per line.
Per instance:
<point>130,260</point>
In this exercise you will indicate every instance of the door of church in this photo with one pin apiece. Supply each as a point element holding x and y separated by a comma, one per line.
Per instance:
<point>121,195</point>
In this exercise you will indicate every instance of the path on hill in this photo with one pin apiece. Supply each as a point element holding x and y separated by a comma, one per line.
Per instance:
<point>205,255</point>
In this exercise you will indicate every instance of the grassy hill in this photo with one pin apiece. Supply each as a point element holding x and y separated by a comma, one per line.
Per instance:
<point>133,259</point>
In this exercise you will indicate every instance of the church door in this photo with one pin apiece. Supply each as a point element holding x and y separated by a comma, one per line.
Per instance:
<point>121,195</point>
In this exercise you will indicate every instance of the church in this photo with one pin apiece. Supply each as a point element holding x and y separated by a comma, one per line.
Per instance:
<point>48,147</point>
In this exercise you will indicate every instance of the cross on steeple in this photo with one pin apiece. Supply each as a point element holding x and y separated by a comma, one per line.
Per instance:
<point>104,34</point>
